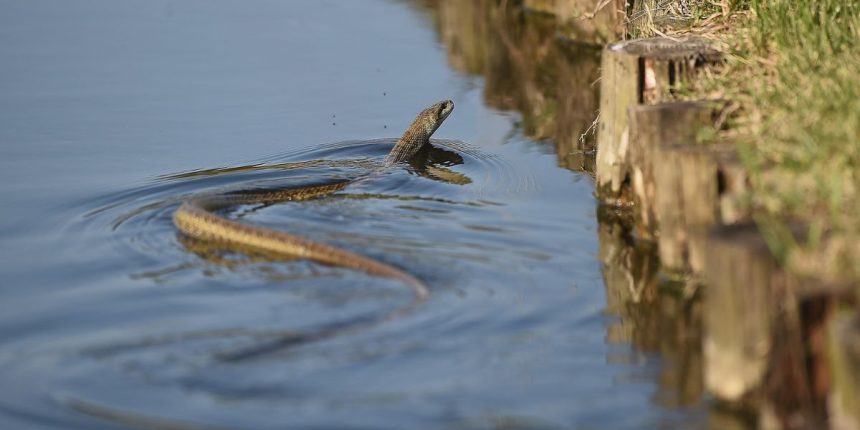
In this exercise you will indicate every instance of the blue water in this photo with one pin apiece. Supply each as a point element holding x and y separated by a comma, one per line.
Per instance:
<point>111,112</point>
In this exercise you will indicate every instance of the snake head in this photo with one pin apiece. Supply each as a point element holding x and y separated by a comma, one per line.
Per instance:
<point>435,115</point>
<point>417,136</point>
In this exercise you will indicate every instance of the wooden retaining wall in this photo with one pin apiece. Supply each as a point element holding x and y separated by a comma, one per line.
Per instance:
<point>775,345</point>
<point>638,72</point>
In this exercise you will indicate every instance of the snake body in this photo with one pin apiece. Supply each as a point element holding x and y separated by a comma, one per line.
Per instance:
<point>198,217</point>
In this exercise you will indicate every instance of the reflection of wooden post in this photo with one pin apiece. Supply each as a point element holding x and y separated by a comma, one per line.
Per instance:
<point>464,32</point>
<point>634,72</point>
<point>630,272</point>
<point>590,21</point>
<point>844,357</point>
<point>595,21</point>
<point>738,311</point>
<point>576,100</point>
<point>650,317</point>
<point>766,333</point>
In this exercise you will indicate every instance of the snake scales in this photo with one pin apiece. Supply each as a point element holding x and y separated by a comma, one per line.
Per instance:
<point>197,217</point>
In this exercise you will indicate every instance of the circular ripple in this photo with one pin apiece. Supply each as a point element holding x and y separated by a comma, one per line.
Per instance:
<point>436,219</point>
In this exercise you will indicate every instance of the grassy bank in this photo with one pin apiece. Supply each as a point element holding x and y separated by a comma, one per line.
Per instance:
<point>794,70</point>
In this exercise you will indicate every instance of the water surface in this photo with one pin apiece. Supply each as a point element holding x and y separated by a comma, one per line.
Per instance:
<point>112,112</point>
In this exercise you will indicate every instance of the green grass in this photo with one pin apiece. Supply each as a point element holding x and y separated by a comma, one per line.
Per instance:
<point>794,66</point>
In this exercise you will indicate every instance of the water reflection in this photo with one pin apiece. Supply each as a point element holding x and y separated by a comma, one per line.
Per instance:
<point>654,315</point>
<point>527,68</point>
<point>550,80</point>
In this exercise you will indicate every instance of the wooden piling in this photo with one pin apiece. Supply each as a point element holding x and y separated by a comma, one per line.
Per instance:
<point>651,128</point>
<point>765,328</point>
<point>641,71</point>
<point>619,89</point>
<point>738,309</point>
<point>698,186</point>
<point>797,384</point>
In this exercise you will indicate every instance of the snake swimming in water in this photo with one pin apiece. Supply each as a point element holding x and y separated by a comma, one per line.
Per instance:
<point>197,218</point>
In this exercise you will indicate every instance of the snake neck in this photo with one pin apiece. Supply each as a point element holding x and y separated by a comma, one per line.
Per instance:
<point>417,136</point>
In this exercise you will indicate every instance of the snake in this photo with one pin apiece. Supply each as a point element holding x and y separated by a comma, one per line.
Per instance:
<point>198,217</point>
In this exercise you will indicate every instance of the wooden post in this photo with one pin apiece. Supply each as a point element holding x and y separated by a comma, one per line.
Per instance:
<point>763,324</point>
<point>798,380</point>
<point>738,310</point>
<point>693,184</point>
<point>641,71</point>
<point>651,128</point>
<point>619,89</point>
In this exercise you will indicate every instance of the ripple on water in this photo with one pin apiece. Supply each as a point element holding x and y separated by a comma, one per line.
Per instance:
<point>442,219</point>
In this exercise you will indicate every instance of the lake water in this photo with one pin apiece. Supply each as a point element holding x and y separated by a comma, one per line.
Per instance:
<point>112,112</point>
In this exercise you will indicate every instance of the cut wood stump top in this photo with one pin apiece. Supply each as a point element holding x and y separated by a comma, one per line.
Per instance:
<point>667,48</point>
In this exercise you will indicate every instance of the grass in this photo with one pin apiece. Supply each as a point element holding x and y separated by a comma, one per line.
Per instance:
<point>793,67</point>
<point>808,156</point>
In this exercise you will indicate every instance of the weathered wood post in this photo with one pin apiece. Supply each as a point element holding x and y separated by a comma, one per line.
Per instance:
<point>774,343</point>
<point>798,381</point>
<point>641,71</point>
<point>761,324</point>
<point>680,188</point>
<point>698,187</point>
<point>653,127</point>
<point>738,311</point>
